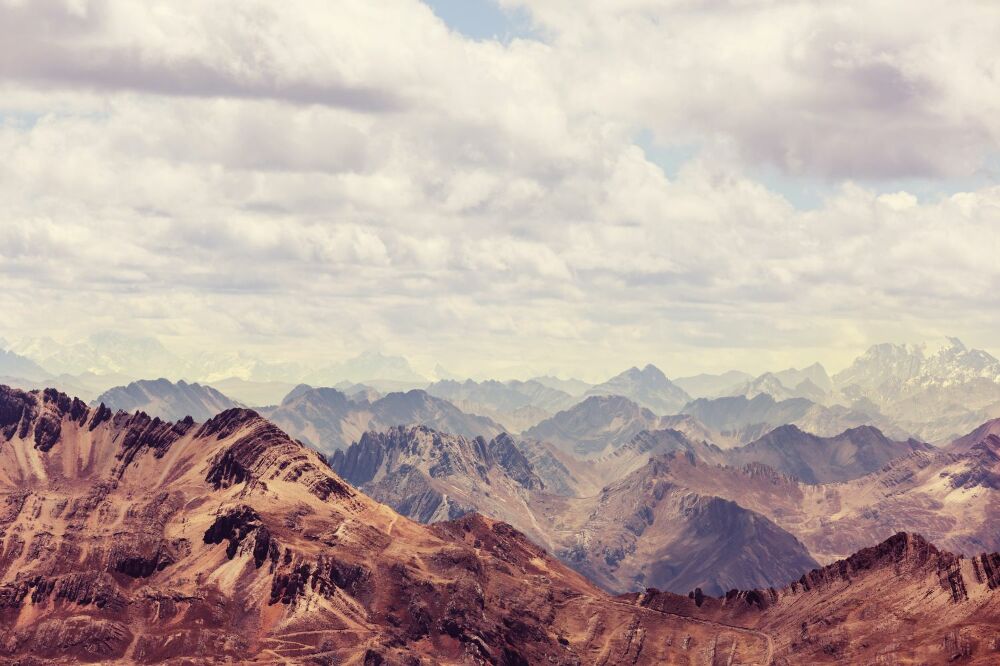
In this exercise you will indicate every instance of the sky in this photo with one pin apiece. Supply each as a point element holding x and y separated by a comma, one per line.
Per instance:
<point>505,187</point>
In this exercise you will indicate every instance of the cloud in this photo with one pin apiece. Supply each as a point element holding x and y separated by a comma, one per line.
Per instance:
<point>496,213</point>
<point>195,51</point>
<point>849,89</point>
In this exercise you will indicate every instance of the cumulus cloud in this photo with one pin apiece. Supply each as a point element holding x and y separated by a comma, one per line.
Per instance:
<point>310,180</point>
<point>847,89</point>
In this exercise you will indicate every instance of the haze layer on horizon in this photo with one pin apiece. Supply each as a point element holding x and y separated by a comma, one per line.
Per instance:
<point>527,185</point>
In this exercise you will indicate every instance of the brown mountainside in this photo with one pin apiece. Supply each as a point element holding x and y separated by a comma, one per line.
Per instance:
<point>126,539</point>
<point>900,602</point>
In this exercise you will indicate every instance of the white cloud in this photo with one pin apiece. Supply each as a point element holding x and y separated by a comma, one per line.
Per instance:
<point>313,179</point>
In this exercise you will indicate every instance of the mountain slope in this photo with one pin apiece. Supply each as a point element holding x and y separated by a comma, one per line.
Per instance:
<point>711,386</point>
<point>900,602</point>
<point>130,539</point>
<point>515,404</point>
<point>22,367</point>
<point>166,400</point>
<point>952,498</point>
<point>812,459</point>
<point>596,425</point>
<point>648,387</point>
<point>328,420</point>
<point>430,477</point>
<point>744,419</point>
<point>643,531</point>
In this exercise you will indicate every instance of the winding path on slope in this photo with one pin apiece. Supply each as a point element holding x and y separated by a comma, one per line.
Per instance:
<point>768,660</point>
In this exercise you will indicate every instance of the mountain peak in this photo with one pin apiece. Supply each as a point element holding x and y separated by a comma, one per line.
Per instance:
<point>648,387</point>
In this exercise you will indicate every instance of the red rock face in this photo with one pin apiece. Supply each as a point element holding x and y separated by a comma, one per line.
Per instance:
<point>123,537</point>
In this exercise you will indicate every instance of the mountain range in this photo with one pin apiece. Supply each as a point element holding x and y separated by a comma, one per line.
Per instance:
<point>166,400</point>
<point>648,387</point>
<point>328,420</point>
<point>515,404</point>
<point>132,539</point>
<point>622,519</point>
<point>930,391</point>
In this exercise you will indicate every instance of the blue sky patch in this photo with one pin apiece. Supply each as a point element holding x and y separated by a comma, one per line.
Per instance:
<point>483,19</point>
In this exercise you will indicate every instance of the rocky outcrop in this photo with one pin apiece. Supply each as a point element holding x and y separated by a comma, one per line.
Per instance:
<point>982,467</point>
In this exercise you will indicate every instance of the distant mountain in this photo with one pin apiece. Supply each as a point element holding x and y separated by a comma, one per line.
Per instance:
<point>888,371</point>
<point>253,393</point>
<point>596,425</point>
<point>15,365</point>
<point>648,387</point>
<point>503,396</point>
<point>712,386</point>
<point>441,373</point>
<point>815,374</point>
<point>937,391</point>
<point>105,352</point>
<point>356,392</point>
<point>643,531</point>
<point>952,497</point>
<point>430,476</point>
<point>167,400</point>
<point>515,404</point>
<point>770,384</point>
<point>746,419</point>
<point>328,420</point>
<point>813,459</point>
<point>574,387</point>
<point>213,367</point>
<point>112,353</point>
<point>365,368</point>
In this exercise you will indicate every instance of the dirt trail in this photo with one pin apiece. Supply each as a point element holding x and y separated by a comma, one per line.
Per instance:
<point>768,660</point>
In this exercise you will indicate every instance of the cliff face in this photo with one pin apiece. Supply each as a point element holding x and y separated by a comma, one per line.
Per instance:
<point>901,601</point>
<point>430,476</point>
<point>124,537</point>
